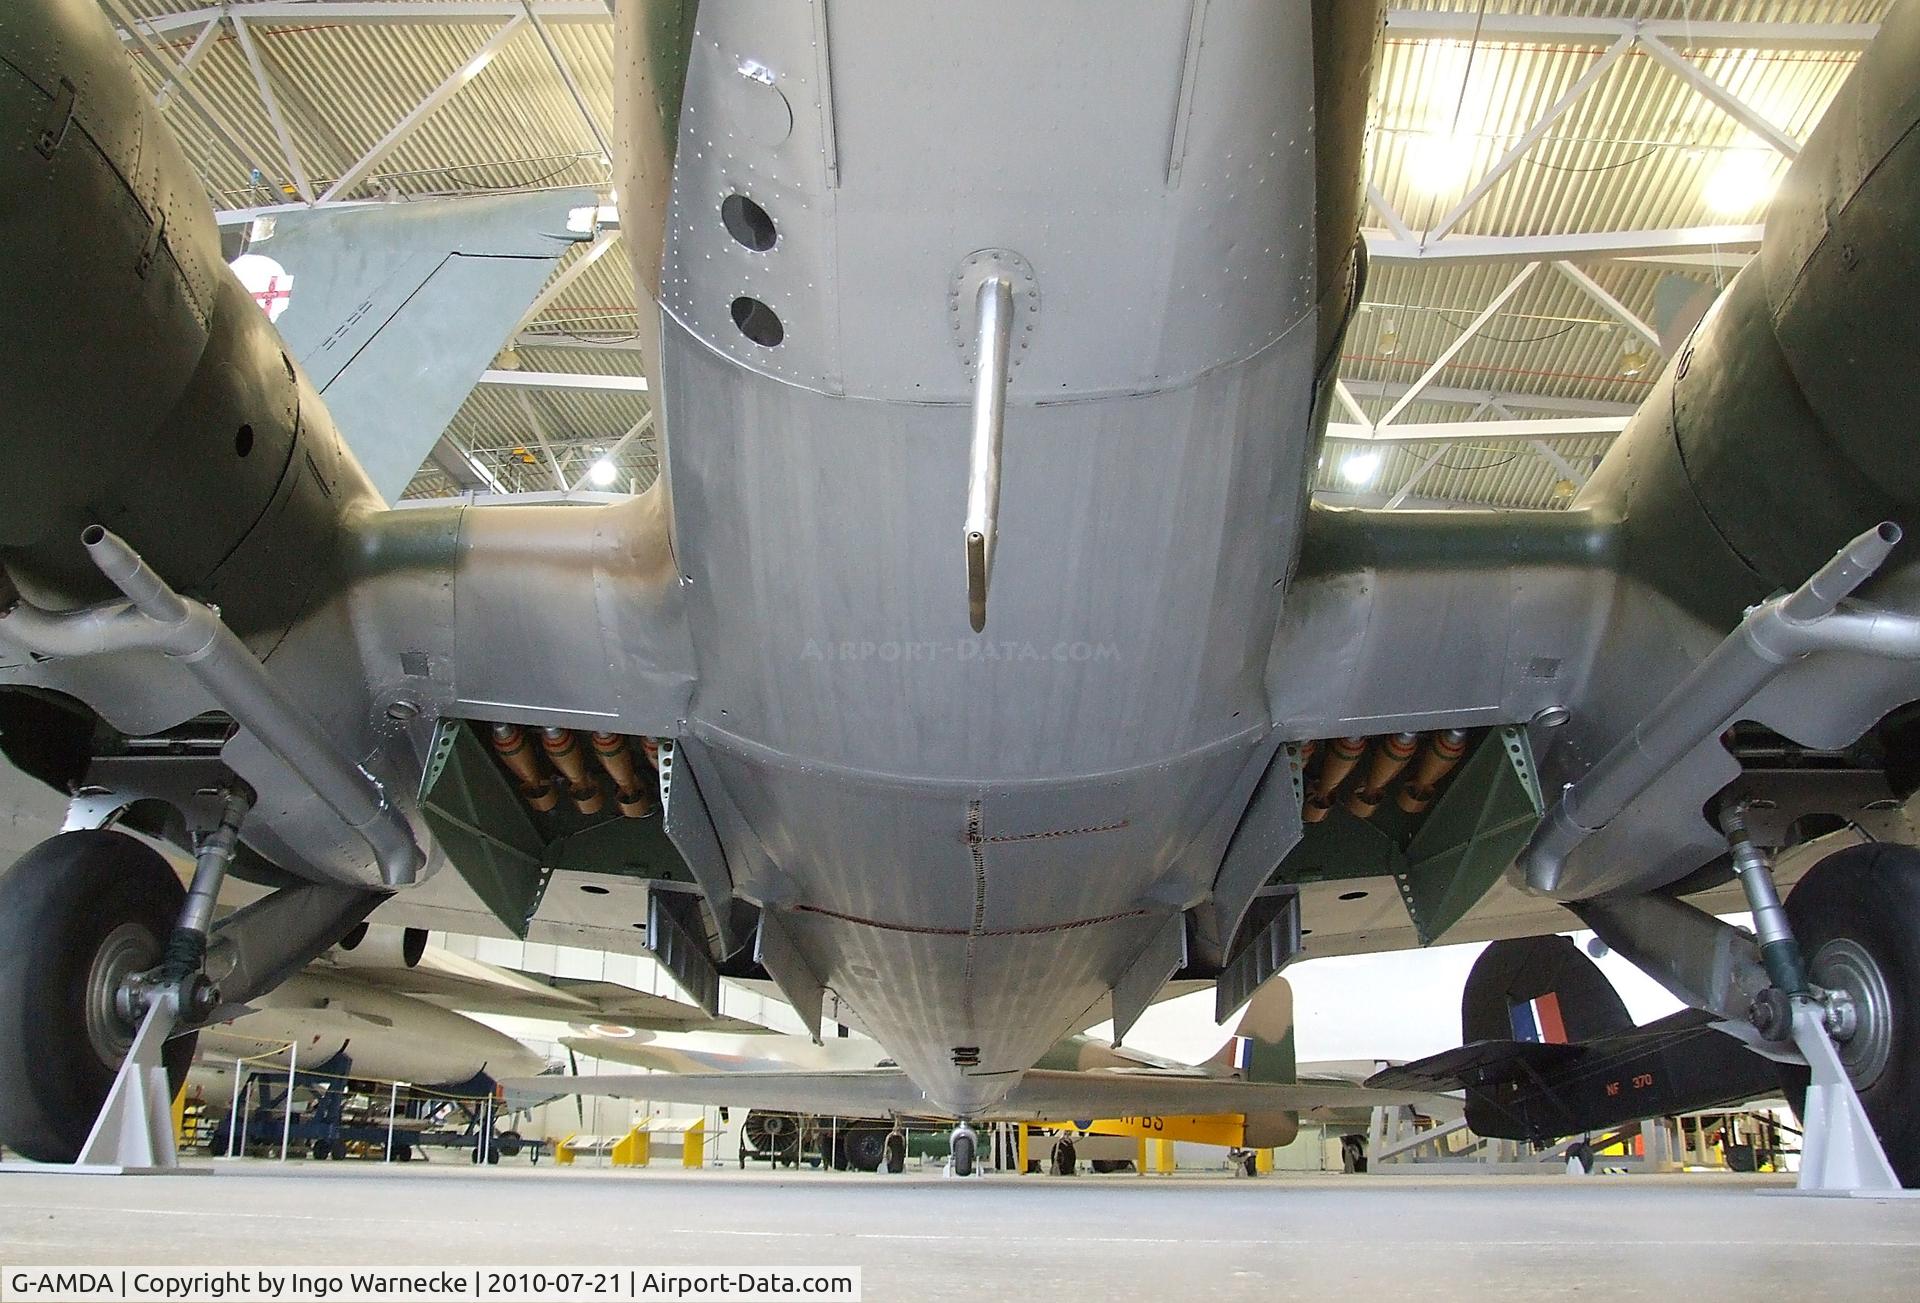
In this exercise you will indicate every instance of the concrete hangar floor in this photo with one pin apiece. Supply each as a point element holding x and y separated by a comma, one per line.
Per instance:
<point>1698,1238</point>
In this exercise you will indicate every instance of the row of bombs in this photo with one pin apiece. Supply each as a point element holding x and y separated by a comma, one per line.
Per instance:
<point>522,750</point>
<point>1426,760</point>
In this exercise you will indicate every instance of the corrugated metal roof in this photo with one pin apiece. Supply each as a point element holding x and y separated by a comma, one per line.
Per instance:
<point>1637,151</point>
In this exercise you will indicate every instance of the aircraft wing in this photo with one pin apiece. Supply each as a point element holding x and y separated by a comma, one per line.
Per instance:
<point>862,1092</point>
<point>471,986</point>
<point>671,1058</point>
<point>876,1092</point>
<point>1480,1063</point>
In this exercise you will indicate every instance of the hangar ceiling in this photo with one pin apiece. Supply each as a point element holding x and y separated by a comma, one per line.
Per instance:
<point>1555,188</point>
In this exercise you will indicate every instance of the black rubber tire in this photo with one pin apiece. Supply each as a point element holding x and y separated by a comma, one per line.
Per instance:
<point>896,1152</point>
<point>963,1155</point>
<point>865,1148</point>
<point>1870,895</point>
<point>58,905</point>
<point>1105,1166</point>
<point>403,1153</point>
<point>1066,1158</point>
<point>509,1144</point>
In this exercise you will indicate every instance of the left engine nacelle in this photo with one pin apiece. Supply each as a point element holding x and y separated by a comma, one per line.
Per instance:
<point>142,389</point>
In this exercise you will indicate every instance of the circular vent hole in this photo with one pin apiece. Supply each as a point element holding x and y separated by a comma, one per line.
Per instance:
<point>243,440</point>
<point>748,223</point>
<point>1353,895</point>
<point>758,322</point>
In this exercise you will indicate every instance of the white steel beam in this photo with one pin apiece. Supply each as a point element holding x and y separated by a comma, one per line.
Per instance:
<point>1460,341</point>
<point>1730,104</point>
<point>564,380</point>
<point>185,70</point>
<point>381,11</point>
<point>1555,427</point>
<point>1346,399</point>
<point>420,112</point>
<point>1726,242</point>
<point>1574,476</point>
<point>1389,214</point>
<point>1595,291</point>
<point>1531,136</point>
<point>566,276</point>
<point>188,89</point>
<point>272,106</point>
<point>1467,397</point>
<point>1420,472</point>
<point>1566,29</point>
<point>539,429</point>
<point>566,76</point>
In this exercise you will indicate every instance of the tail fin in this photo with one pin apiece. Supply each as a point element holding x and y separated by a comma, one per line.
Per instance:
<point>395,310</point>
<point>1261,1047</point>
<point>1539,989</point>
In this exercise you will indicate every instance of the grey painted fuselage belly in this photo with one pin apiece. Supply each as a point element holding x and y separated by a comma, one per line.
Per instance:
<point>970,836</point>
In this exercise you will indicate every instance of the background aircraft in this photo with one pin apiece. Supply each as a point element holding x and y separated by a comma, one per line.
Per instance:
<point>1251,1080</point>
<point>995,661</point>
<point>1550,1051</point>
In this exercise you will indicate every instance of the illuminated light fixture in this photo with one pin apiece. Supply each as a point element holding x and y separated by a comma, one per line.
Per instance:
<point>602,473</point>
<point>1389,341</point>
<point>1360,468</point>
<point>507,360</point>
<point>1744,180</point>
<point>1437,162</point>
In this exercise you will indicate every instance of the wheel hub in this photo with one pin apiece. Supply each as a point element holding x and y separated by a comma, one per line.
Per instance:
<point>1842,964</point>
<point>127,950</point>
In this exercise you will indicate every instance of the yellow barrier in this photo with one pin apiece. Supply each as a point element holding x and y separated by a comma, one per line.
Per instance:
<point>693,1144</point>
<point>633,1149</point>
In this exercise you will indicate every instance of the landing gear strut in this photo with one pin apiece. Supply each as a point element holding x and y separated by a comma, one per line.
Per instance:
<point>106,969</point>
<point>1841,1150</point>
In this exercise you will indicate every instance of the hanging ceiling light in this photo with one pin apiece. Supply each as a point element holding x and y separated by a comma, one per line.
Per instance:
<point>1389,339</point>
<point>602,473</point>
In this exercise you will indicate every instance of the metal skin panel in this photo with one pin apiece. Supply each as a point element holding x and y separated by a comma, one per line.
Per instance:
<point>968,840</point>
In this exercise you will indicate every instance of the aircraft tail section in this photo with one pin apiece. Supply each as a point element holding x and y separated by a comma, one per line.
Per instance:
<point>1261,1047</point>
<point>1551,1051</point>
<point>395,310</point>
<point>1541,991</point>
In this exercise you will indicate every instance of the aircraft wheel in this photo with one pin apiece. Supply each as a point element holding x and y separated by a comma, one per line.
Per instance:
<point>1066,1159</point>
<point>1856,915</point>
<point>403,1153</point>
<point>509,1144</point>
<point>78,913</point>
<point>896,1161</point>
<point>963,1143</point>
<point>864,1148</point>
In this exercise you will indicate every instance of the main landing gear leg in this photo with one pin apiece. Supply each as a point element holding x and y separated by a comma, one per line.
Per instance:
<point>1840,1153</point>
<point>134,1132</point>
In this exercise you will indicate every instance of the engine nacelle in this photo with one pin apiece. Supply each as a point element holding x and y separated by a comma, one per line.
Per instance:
<point>143,389</point>
<point>1786,425</point>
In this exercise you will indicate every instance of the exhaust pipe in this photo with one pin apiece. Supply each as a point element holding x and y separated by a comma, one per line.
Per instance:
<point>155,618</point>
<point>1773,636</point>
<point>629,793</point>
